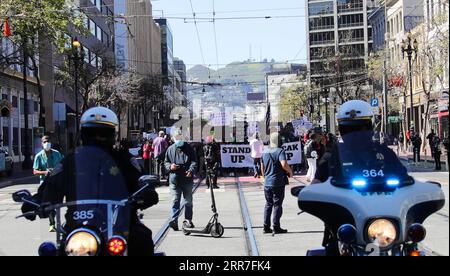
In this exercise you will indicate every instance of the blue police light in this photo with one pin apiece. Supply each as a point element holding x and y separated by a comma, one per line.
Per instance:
<point>347,233</point>
<point>48,249</point>
<point>359,183</point>
<point>393,182</point>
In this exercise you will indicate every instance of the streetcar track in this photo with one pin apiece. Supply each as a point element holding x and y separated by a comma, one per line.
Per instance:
<point>250,239</point>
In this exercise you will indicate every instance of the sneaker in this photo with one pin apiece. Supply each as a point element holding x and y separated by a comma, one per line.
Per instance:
<point>188,224</point>
<point>267,230</point>
<point>279,230</point>
<point>52,229</point>
<point>216,187</point>
<point>174,225</point>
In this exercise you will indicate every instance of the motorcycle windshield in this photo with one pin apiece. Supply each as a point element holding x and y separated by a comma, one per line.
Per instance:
<point>361,163</point>
<point>99,184</point>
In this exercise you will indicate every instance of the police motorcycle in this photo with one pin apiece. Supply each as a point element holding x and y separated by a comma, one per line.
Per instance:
<point>369,204</point>
<point>97,223</point>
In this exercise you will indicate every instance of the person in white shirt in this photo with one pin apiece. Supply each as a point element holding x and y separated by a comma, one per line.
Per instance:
<point>257,147</point>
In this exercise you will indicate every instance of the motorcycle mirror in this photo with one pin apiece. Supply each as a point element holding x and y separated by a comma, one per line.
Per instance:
<point>19,196</point>
<point>150,180</point>
<point>295,191</point>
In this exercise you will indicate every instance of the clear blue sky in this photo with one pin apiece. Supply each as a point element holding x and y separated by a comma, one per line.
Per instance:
<point>279,38</point>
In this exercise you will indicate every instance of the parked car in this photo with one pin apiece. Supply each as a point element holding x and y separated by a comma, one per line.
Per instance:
<point>6,162</point>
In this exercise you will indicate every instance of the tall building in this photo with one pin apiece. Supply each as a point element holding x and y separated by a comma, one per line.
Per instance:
<point>180,68</point>
<point>172,83</point>
<point>338,28</point>
<point>138,49</point>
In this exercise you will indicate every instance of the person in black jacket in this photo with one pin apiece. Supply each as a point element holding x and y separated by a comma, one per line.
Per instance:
<point>181,163</point>
<point>416,143</point>
<point>211,151</point>
<point>68,180</point>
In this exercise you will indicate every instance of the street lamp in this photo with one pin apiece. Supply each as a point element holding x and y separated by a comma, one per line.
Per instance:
<point>409,47</point>
<point>76,45</point>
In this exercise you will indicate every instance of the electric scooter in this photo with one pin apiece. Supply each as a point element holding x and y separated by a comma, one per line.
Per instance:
<point>214,228</point>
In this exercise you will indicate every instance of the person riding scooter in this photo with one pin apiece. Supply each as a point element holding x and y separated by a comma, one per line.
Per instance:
<point>98,131</point>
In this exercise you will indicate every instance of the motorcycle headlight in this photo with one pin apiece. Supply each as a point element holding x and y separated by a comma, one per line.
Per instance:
<point>82,242</point>
<point>382,232</point>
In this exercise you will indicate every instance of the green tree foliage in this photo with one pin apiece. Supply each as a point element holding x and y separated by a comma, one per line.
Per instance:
<point>44,19</point>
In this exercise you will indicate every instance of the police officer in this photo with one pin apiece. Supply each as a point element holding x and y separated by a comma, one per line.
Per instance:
<point>353,116</point>
<point>98,130</point>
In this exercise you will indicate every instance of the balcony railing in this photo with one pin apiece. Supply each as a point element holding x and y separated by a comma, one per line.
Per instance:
<point>322,42</point>
<point>348,25</point>
<point>345,8</point>
<point>323,27</point>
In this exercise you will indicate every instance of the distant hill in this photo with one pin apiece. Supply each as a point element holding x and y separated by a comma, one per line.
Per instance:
<point>249,72</point>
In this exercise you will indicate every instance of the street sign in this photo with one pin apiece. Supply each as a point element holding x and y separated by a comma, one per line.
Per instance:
<point>374,102</point>
<point>394,119</point>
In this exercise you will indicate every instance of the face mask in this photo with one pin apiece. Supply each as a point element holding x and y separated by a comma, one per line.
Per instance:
<point>47,146</point>
<point>179,143</point>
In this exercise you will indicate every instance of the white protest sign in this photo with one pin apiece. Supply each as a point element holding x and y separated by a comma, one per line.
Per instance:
<point>293,153</point>
<point>236,156</point>
<point>239,156</point>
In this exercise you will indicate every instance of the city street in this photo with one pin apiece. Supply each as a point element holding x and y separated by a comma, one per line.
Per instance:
<point>22,237</point>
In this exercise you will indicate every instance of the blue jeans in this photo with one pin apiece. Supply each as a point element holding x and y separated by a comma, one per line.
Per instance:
<point>176,190</point>
<point>274,203</point>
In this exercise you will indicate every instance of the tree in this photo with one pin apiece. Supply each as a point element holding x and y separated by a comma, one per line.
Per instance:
<point>34,21</point>
<point>293,100</point>
<point>432,62</point>
<point>89,75</point>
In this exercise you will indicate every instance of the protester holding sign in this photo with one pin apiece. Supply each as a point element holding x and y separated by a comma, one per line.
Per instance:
<point>276,172</point>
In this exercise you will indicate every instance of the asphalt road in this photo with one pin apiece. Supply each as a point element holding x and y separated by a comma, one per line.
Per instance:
<point>21,237</point>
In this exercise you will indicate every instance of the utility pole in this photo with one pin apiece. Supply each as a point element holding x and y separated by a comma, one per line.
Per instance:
<point>27,164</point>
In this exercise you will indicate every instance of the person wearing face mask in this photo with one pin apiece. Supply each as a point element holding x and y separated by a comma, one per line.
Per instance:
<point>44,162</point>
<point>181,163</point>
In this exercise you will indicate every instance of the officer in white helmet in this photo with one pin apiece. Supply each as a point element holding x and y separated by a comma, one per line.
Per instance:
<point>96,162</point>
<point>355,122</point>
<point>353,116</point>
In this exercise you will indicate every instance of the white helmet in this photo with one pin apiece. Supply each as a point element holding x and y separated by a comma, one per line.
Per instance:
<point>354,112</point>
<point>99,117</point>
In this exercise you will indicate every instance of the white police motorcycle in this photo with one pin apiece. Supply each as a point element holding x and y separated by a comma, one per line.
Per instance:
<point>369,204</point>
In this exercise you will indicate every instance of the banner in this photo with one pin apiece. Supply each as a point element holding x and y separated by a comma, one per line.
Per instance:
<point>239,156</point>
<point>293,153</point>
<point>236,156</point>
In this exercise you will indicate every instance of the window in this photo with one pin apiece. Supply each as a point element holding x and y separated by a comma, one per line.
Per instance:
<point>320,8</point>
<point>322,52</point>
<point>98,4</point>
<point>36,107</point>
<point>349,5</point>
<point>93,60</point>
<point>351,20</point>
<point>4,97</point>
<point>14,102</point>
<point>87,54</point>
<point>321,23</point>
<point>99,62</point>
<point>98,33</point>
<point>321,38</point>
<point>351,35</point>
<point>92,27</point>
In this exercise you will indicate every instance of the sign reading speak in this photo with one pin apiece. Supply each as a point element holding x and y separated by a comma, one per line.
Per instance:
<point>239,156</point>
